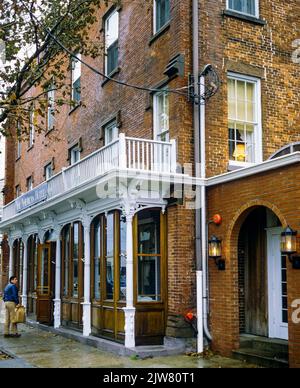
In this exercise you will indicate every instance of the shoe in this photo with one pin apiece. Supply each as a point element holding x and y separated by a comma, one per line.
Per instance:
<point>15,335</point>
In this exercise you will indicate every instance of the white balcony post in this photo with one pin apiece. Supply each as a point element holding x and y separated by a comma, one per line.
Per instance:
<point>57,300</point>
<point>87,328</point>
<point>11,257</point>
<point>122,151</point>
<point>129,310</point>
<point>25,271</point>
<point>173,156</point>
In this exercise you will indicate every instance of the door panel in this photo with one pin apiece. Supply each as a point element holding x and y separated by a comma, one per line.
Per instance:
<point>44,289</point>
<point>277,278</point>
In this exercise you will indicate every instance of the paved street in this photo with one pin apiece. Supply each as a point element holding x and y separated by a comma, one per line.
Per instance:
<point>45,350</point>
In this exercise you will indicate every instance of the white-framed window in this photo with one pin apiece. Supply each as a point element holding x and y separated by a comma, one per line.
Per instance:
<point>75,154</point>
<point>246,7</point>
<point>111,132</point>
<point>111,42</point>
<point>48,171</point>
<point>244,120</point>
<point>51,107</point>
<point>161,116</point>
<point>29,183</point>
<point>161,14</point>
<point>31,127</point>
<point>76,79</point>
<point>18,191</point>
<point>19,143</point>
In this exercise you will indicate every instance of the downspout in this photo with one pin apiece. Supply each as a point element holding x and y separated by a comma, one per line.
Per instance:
<point>200,212</point>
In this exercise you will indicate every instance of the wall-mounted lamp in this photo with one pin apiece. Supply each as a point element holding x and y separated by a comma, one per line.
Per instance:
<point>289,246</point>
<point>215,252</point>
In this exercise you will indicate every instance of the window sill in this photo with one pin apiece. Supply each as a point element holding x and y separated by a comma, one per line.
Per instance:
<point>111,75</point>
<point>246,18</point>
<point>72,110</point>
<point>233,166</point>
<point>159,33</point>
<point>49,131</point>
<point>30,148</point>
<point>18,158</point>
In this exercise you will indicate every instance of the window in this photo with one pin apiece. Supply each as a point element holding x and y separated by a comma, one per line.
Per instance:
<point>31,128</point>
<point>111,42</point>
<point>18,191</point>
<point>111,132</point>
<point>97,258</point>
<point>75,154</point>
<point>48,171</point>
<point>244,120</point>
<point>161,14</point>
<point>51,108</point>
<point>29,183</point>
<point>76,80</point>
<point>75,261</point>
<point>248,7</point>
<point>109,259</point>
<point>149,256</point>
<point>19,148</point>
<point>161,116</point>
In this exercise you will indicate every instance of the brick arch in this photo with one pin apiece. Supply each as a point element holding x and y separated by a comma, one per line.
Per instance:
<point>239,218</point>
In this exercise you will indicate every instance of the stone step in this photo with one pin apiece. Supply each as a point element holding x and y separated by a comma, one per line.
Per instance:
<point>262,358</point>
<point>264,344</point>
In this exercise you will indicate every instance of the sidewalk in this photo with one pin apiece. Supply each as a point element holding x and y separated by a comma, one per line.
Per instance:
<point>37,348</point>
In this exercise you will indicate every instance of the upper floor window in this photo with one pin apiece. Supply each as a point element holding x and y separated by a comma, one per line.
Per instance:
<point>48,171</point>
<point>51,108</point>
<point>286,150</point>
<point>111,132</point>
<point>29,183</point>
<point>161,116</point>
<point>19,147</point>
<point>161,14</point>
<point>75,154</point>
<point>31,128</point>
<point>76,80</point>
<point>18,191</point>
<point>247,7</point>
<point>244,120</point>
<point>111,42</point>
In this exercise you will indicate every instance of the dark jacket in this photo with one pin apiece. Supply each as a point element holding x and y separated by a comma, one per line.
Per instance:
<point>11,293</point>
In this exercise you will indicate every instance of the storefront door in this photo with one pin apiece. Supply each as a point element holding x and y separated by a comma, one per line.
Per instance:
<point>44,285</point>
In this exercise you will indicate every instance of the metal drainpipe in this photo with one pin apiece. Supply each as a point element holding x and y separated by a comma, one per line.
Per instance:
<point>200,213</point>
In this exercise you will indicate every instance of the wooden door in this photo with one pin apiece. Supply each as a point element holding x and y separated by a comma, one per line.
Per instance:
<point>44,289</point>
<point>256,292</point>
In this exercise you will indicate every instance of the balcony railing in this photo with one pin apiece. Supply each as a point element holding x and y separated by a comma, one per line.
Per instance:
<point>124,153</point>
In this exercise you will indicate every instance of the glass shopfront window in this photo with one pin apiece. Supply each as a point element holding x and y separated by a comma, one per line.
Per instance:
<point>122,291</point>
<point>75,260</point>
<point>149,256</point>
<point>97,260</point>
<point>110,256</point>
<point>66,240</point>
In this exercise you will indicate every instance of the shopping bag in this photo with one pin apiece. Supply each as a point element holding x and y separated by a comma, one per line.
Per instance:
<point>20,315</point>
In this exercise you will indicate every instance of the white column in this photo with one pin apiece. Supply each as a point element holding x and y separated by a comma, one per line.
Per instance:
<point>11,257</point>
<point>122,151</point>
<point>87,328</point>
<point>57,300</point>
<point>129,310</point>
<point>25,271</point>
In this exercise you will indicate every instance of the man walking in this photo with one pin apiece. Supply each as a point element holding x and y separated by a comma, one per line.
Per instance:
<point>11,300</point>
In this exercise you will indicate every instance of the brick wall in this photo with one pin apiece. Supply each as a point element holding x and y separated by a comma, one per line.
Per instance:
<point>234,202</point>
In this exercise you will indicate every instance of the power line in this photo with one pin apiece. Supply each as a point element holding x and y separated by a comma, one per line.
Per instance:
<point>122,83</point>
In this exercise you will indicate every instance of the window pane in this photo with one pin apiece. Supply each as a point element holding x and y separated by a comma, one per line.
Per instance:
<point>245,6</point>
<point>75,259</point>
<point>149,233</point>
<point>149,279</point>
<point>112,57</point>
<point>110,256</point>
<point>161,118</point>
<point>162,13</point>
<point>97,257</point>
<point>122,260</point>
<point>112,29</point>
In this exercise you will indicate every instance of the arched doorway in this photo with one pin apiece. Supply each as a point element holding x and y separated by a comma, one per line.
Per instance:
<point>262,276</point>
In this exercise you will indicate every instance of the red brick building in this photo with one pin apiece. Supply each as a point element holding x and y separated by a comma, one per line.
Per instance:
<point>251,130</point>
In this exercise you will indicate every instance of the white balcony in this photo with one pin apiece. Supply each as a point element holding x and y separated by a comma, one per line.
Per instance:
<point>123,154</point>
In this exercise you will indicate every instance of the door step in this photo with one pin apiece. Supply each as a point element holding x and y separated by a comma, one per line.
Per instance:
<point>262,351</point>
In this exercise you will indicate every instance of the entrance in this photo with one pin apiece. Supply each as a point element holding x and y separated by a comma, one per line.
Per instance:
<point>45,284</point>
<point>262,276</point>
<point>277,278</point>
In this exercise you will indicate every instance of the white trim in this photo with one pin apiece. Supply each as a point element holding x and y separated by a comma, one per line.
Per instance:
<point>277,328</point>
<point>244,13</point>
<point>258,151</point>
<point>255,169</point>
<point>105,37</point>
<point>156,126</point>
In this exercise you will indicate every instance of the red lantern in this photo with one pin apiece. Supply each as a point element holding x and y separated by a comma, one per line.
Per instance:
<point>217,219</point>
